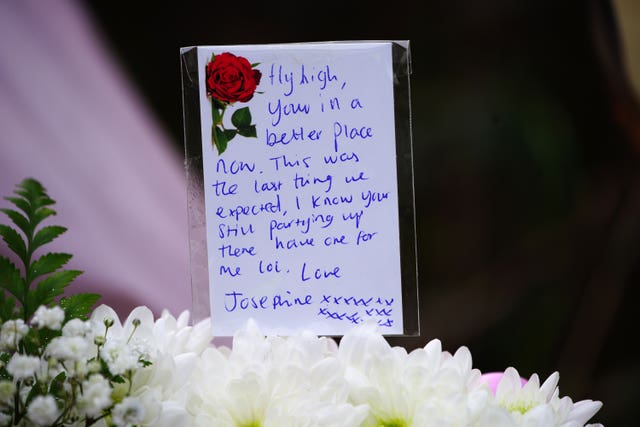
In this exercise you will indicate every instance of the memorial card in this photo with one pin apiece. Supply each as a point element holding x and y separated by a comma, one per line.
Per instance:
<point>301,186</point>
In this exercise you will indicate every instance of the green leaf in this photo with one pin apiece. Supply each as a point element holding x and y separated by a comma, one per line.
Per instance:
<point>255,64</point>
<point>7,305</point>
<point>15,286</point>
<point>19,220</point>
<point>33,191</point>
<point>46,235</point>
<point>10,279</point>
<point>119,379</point>
<point>22,204</point>
<point>49,288</point>
<point>220,139</point>
<point>48,264</point>
<point>46,335</point>
<point>57,386</point>
<point>249,132</point>
<point>14,241</point>
<point>214,137</point>
<point>241,118</point>
<point>40,214</point>
<point>79,305</point>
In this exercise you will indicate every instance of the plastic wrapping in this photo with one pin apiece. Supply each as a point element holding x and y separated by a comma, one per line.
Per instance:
<point>290,185</point>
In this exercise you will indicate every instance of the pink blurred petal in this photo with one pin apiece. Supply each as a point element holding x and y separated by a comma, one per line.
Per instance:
<point>493,379</point>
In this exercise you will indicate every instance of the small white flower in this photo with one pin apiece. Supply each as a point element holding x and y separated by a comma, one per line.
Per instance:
<point>68,348</point>
<point>5,419</point>
<point>51,318</point>
<point>7,389</point>
<point>96,396</point>
<point>128,412</point>
<point>77,328</point>
<point>43,410</point>
<point>119,356</point>
<point>21,366</point>
<point>11,333</point>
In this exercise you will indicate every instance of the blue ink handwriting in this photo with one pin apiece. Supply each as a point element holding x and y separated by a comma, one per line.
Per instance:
<point>296,134</point>
<point>278,110</point>
<point>344,131</point>
<point>284,162</point>
<point>226,230</point>
<point>237,300</point>
<point>319,273</point>
<point>249,210</point>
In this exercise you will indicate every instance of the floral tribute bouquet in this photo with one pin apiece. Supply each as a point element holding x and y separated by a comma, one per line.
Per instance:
<point>229,79</point>
<point>65,363</point>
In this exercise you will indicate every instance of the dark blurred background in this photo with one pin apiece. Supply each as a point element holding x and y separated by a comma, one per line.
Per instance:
<point>526,141</point>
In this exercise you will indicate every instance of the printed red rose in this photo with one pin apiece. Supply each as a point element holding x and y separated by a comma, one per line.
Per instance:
<point>230,78</point>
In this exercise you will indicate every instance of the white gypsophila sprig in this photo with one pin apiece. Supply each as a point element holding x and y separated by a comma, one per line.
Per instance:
<point>71,348</point>
<point>43,410</point>
<point>11,333</point>
<point>22,366</point>
<point>95,397</point>
<point>79,328</point>
<point>119,356</point>
<point>5,419</point>
<point>7,390</point>
<point>51,318</point>
<point>127,413</point>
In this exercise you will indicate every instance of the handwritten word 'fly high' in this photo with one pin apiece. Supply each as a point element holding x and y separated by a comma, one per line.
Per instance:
<point>320,77</point>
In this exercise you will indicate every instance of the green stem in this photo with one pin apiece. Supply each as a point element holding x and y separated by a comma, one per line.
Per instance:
<point>27,271</point>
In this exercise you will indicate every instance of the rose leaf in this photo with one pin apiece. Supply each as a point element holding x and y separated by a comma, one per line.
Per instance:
<point>220,139</point>
<point>241,118</point>
<point>248,131</point>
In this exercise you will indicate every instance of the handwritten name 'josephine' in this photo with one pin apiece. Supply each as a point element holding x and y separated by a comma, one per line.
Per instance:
<point>239,301</point>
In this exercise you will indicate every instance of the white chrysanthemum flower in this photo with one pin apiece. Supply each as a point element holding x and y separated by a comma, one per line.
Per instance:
<point>272,381</point>
<point>42,410</point>
<point>535,405</point>
<point>11,333</point>
<point>175,335</point>
<point>46,317</point>
<point>127,413</point>
<point>21,366</point>
<point>423,388</point>
<point>95,397</point>
<point>74,348</point>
